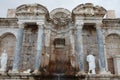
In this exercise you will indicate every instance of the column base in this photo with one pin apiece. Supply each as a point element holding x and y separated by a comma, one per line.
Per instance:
<point>80,73</point>
<point>36,72</point>
<point>105,72</point>
<point>14,71</point>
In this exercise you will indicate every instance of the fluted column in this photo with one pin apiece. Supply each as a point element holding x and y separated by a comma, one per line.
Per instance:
<point>19,40</point>
<point>79,46</point>
<point>102,61</point>
<point>39,47</point>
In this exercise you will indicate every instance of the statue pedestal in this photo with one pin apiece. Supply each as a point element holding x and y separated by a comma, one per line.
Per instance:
<point>80,73</point>
<point>36,72</point>
<point>105,73</point>
<point>13,72</point>
<point>116,59</point>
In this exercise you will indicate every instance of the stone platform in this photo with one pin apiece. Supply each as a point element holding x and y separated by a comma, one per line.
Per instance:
<point>25,76</point>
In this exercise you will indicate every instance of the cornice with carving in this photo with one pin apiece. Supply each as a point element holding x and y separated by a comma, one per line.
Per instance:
<point>31,10</point>
<point>89,9</point>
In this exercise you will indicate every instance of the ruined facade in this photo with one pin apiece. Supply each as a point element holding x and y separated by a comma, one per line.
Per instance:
<point>58,42</point>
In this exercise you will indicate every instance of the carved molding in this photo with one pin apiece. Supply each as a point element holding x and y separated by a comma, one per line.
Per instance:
<point>89,9</point>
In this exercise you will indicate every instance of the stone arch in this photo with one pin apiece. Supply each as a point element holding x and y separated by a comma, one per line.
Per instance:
<point>111,32</point>
<point>5,31</point>
<point>112,47</point>
<point>8,42</point>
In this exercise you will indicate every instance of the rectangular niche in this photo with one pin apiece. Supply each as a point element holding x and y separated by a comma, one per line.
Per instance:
<point>59,43</point>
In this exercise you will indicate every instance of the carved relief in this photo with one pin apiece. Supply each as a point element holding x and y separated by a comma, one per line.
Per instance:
<point>60,17</point>
<point>31,10</point>
<point>89,9</point>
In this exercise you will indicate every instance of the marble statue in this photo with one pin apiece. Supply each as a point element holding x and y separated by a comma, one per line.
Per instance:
<point>91,62</point>
<point>3,61</point>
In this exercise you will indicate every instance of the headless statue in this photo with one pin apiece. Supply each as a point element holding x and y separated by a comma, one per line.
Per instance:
<point>91,62</point>
<point>3,61</point>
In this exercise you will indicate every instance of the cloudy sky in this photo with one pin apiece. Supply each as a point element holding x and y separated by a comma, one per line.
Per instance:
<point>52,4</point>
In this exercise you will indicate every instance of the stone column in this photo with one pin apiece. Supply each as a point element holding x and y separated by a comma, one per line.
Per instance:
<point>19,40</point>
<point>39,48</point>
<point>102,61</point>
<point>79,46</point>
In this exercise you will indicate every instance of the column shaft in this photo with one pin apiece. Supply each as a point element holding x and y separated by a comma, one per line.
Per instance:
<point>101,50</point>
<point>39,48</point>
<point>80,49</point>
<point>19,40</point>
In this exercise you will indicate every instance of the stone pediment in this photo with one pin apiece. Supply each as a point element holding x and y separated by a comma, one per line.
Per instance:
<point>31,10</point>
<point>60,17</point>
<point>89,10</point>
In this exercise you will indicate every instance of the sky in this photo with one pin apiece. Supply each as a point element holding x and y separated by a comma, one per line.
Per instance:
<point>52,4</point>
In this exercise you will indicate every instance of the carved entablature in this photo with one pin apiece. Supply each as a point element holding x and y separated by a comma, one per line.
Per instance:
<point>31,10</point>
<point>60,17</point>
<point>8,22</point>
<point>89,10</point>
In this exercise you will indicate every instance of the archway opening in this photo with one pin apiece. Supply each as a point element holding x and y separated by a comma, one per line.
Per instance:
<point>8,43</point>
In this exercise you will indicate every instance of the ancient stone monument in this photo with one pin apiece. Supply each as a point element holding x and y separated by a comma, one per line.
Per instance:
<point>43,45</point>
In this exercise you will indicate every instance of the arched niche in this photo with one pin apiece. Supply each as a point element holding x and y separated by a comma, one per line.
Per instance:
<point>90,44</point>
<point>112,45</point>
<point>8,43</point>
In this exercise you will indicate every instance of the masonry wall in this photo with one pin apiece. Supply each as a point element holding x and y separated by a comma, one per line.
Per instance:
<point>110,31</point>
<point>111,42</point>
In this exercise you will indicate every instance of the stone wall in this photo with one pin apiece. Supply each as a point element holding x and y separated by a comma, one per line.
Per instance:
<point>29,47</point>
<point>57,77</point>
<point>78,33</point>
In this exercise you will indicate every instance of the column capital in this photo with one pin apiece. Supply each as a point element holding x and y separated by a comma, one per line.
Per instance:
<point>20,24</point>
<point>40,25</point>
<point>79,26</point>
<point>98,25</point>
